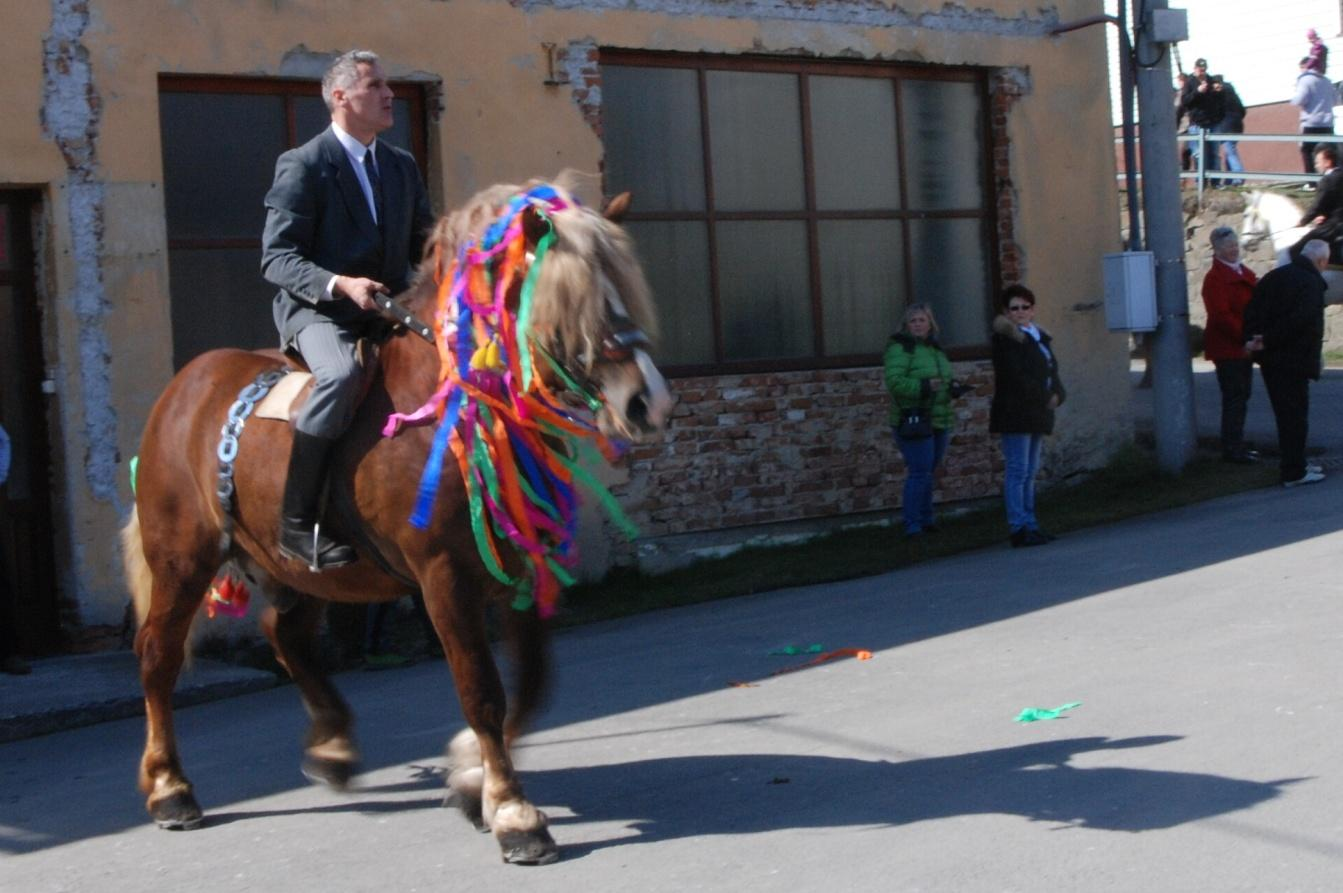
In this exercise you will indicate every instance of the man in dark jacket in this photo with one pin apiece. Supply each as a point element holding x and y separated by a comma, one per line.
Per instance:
<point>1233,121</point>
<point>1325,216</point>
<point>1206,107</point>
<point>1284,328</point>
<point>346,219</point>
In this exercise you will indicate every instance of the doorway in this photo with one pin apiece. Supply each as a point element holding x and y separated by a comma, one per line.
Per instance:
<point>28,599</point>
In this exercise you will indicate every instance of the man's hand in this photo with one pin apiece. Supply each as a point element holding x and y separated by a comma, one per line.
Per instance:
<point>359,290</point>
<point>1317,221</point>
<point>1053,401</point>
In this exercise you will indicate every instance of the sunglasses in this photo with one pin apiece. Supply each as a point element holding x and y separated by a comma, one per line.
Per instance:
<point>1015,307</point>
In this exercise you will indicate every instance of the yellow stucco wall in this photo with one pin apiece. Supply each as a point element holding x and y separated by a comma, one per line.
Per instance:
<point>499,123</point>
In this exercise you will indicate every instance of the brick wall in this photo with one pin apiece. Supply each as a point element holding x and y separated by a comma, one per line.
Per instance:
<point>752,449</point>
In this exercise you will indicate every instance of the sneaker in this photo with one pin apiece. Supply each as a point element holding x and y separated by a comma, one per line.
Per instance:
<point>1310,477</point>
<point>1312,467</point>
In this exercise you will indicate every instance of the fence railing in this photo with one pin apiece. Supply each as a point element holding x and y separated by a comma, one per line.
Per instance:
<point>1202,177</point>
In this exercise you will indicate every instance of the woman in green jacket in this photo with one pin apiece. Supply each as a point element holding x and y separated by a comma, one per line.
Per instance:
<point>918,376</point>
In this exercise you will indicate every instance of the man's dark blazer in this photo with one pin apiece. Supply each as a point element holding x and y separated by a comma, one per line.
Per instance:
<point>1287,308</point>
<point>1328,199</point>
<point>318,224</point>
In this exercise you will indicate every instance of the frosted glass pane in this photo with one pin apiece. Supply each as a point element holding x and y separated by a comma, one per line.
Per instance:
<point>863,284</point>
<point>951,272</point>
<point>853,140</point>
<point>944,145</point>
<point>651,131</point>
<point>764,296</point>
<point>755,140</point>
<point>675,259</point>
<point>219,154</point>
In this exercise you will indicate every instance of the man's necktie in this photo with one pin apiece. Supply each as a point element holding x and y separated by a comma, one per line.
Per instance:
<point>374,183</point>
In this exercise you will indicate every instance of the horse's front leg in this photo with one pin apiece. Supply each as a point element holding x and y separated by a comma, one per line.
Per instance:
<point>329,753</point>
<point>481,773</point>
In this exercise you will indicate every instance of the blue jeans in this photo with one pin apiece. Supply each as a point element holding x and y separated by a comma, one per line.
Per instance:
<point>1021,456</point>
<point>1210,160</point>
<point>1233,163</point>
<point>922,456</point>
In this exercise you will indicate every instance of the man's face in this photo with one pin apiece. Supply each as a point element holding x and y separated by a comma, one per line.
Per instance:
<point>1201,72</point>
<point>366,106</point>
<point>1321,162</point>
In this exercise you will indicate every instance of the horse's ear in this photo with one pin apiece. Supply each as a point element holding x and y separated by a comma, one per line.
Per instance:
<point>533,226</point>
<point>617,208</point>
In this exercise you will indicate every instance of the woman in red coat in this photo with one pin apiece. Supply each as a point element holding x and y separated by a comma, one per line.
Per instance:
<point>1226,291</point>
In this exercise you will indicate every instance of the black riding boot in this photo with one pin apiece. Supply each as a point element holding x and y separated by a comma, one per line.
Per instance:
<point>300,536</point>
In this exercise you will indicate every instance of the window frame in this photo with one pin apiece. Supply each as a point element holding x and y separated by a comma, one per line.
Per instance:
<point>987,214</point>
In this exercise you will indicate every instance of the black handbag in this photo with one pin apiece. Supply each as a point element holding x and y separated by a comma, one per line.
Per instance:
<point>915,424</point>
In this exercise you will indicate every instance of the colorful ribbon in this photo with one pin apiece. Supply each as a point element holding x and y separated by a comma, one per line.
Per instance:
<point>519,452</point>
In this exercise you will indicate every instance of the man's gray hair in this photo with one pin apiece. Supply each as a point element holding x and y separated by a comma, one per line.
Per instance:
<point>343,73</point>
<point>1221,235</point>
<point>1316,249</point>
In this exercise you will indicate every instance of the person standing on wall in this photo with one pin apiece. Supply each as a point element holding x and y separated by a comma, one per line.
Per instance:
<point>1206,107</point>
<point>1227,288</point>
<point>918,378</point>
<point>1315,97</point>
<point>1284,329</point>
<point>1233,121</point>
<point>1026,391</point>
<point>346,220</point>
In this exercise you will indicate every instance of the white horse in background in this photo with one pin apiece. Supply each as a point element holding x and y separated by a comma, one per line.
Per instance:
<point>1275,216</point>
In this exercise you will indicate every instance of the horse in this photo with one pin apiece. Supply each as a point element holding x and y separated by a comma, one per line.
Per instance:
<point>1276,217</point>
<point>584,317</point>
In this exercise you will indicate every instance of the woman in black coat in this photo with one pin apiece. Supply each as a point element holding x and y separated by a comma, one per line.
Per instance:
<point>1026,391</point>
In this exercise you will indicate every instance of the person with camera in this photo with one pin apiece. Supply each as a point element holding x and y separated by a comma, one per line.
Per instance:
<point>1026,391</point>
<point>918,378</point>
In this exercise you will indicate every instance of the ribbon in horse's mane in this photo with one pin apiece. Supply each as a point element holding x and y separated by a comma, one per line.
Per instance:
<point>520,453</point>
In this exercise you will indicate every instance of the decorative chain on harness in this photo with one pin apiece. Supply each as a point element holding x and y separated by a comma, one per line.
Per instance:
<point>227,452</point>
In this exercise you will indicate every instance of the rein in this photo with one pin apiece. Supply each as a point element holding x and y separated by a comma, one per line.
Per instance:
<point>519,451</point>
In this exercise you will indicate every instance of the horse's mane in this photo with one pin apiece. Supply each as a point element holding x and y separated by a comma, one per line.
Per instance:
<point>569,306</point>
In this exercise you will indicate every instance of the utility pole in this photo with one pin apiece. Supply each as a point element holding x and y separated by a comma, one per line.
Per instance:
<point>1172,373</point>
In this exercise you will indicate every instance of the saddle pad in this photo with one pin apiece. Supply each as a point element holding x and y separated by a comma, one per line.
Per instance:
<point>279,403</point>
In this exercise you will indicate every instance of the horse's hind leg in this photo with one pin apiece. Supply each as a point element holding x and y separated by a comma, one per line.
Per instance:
<point>481,772</point>
<point>161,647</point>
<point>329,754</point>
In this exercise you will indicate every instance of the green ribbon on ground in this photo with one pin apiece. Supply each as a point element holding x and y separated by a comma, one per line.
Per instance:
<point>1036,714</point>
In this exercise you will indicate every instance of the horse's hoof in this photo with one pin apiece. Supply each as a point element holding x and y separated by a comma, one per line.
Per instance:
<point>528,847</point>
<point>335,774</point>
<point>176,812</point>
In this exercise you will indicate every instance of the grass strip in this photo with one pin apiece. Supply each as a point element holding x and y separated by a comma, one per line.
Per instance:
<point>1129,486</point>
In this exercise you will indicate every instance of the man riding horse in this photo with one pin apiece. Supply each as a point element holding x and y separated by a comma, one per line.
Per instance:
<point>346,220</point>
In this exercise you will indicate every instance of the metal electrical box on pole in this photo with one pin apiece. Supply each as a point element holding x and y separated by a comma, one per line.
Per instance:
<point>1172,372</point>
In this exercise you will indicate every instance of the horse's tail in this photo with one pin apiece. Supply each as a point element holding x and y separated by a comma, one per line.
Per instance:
<point>139,578</point>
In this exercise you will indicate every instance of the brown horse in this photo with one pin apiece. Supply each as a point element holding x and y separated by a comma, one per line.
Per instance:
<point>590,307</point>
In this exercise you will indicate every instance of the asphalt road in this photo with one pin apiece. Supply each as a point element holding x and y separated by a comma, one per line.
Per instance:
<point>1204,646</point>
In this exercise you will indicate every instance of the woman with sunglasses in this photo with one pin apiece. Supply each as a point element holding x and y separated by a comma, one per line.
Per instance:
<point>1026,392</point>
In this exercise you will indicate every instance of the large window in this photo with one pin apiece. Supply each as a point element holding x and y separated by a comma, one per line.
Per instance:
<point>787,212</point>
<point>220,140</point>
